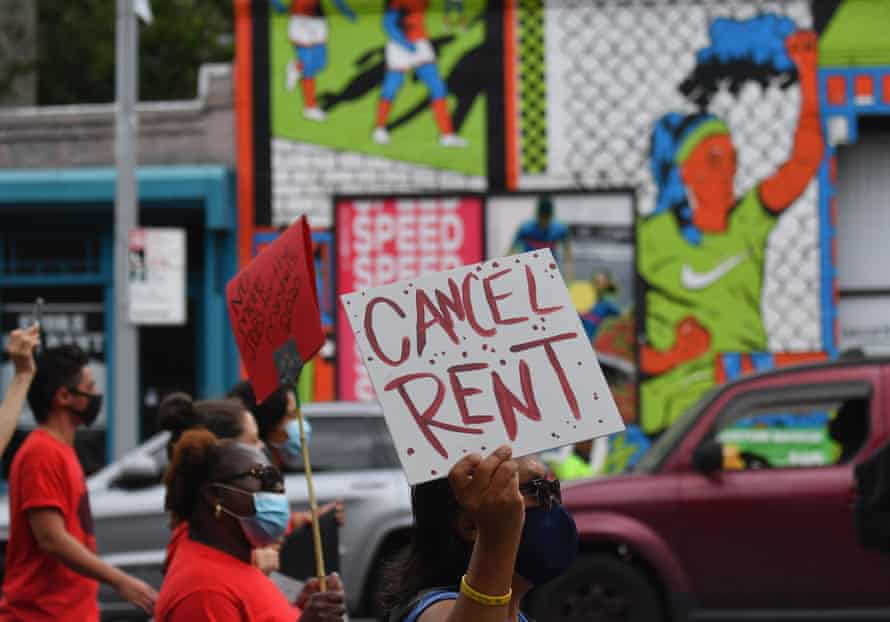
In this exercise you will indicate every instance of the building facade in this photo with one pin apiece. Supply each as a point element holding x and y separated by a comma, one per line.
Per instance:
<point>706,158</point>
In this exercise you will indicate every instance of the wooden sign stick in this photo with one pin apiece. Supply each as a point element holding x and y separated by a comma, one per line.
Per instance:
<point>313,506</point>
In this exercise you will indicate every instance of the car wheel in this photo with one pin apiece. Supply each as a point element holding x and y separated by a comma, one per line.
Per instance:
<point>597,588</point>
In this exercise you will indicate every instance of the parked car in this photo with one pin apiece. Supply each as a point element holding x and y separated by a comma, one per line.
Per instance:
<point>685,537</point>
<point>352,459</point>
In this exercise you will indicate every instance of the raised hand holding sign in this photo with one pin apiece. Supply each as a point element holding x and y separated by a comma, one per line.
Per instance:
<point>273,309</point>
<point>466,360</point>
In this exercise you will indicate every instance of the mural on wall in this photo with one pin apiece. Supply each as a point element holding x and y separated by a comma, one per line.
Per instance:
<point>701,251</point>
<point>382,97</point>
<point>592,237</point>
<point>382,240</point>
<point>401,81</point>
<point>709,111</point>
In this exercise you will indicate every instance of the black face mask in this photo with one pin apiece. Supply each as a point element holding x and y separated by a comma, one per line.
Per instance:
<point>94,404</point>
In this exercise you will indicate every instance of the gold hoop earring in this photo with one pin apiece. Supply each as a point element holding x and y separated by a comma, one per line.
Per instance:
<point>218,511</point>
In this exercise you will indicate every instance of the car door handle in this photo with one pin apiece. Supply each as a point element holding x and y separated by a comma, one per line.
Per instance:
<point>369,485</point>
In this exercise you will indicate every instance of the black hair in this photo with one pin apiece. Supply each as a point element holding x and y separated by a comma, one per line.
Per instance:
<point>56,368</point>
<point>545,207</point>
<point>738,52</point>
<point>270,413</point>
<point>178,413</point>
<point>437,555</point>
<point>195,458</point>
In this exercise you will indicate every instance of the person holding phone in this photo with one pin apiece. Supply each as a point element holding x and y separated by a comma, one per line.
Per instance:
<point>20,349</point>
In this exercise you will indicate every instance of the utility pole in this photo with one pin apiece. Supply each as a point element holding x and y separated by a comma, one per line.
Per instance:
<point>123,422</point>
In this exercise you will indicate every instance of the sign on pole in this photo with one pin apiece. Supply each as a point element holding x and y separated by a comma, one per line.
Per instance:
<point>157,274</point>
<point>465,360</point>
<point>273,309</point>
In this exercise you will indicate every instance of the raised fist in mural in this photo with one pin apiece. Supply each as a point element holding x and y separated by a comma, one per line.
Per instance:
<point>693,339</point>
<point>803,48</point>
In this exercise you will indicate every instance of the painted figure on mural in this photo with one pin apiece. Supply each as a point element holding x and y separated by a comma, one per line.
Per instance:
<point>544,231</point>
<point>604,307</point>
<point>702,251</point>
<point>408,48</point>
<point>308,32</point>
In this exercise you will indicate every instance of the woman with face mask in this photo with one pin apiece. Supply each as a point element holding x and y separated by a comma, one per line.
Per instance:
<point>226,419</point>
<point>481,540</point>
<point>279,429</point>
<point>234,502</point>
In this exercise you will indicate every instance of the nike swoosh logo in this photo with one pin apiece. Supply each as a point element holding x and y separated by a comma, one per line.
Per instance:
<point>699,280</point>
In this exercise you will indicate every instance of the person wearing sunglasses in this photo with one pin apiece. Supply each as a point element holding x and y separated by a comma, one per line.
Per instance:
<point>226,419</point>
<point>481,540</point>
<point>233,500</point>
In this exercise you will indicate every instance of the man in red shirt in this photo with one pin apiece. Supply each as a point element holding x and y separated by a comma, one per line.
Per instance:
<point>52,570</point>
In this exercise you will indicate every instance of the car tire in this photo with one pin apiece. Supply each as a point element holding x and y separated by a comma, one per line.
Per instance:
<point>597,587</point>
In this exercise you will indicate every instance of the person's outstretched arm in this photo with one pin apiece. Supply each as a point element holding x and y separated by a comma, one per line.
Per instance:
<point>785,185</point>
<point>48,527</point>
<point>20,349</point>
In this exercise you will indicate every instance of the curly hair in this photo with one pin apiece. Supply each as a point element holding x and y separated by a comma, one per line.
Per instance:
<point>195,457</point>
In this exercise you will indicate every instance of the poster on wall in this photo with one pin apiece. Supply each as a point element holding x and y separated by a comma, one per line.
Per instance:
<point>157,271</point>
<point>591,235</point>
<point>384,240</point>
<point>80,321</point>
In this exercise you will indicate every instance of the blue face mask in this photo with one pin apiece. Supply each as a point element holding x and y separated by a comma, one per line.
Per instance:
<point>549,544</point>
<point>270,519</point>
<point>291,450</point>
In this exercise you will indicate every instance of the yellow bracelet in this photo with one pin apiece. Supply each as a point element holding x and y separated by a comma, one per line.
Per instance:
<point>484,599</point>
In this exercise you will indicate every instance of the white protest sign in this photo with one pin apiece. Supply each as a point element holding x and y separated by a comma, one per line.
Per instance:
<point>466,360</point>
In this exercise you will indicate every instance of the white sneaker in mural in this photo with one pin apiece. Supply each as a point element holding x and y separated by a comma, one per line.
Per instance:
<point>315,114</point>
<point>452,140</point>
<point>292,75</point>
<point>380,136</point>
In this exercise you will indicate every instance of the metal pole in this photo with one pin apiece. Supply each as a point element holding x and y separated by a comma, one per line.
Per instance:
<point>124,416</point>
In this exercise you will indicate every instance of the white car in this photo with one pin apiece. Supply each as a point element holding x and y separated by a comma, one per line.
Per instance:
<point>352,459</point>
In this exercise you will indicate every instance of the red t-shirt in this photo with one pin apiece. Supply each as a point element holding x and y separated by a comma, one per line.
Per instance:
<point>179,533</point>
<point>37,587</point>
<point>205,584</point>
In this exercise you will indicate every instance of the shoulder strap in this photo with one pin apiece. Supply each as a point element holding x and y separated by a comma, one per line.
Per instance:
<point>413,610</point>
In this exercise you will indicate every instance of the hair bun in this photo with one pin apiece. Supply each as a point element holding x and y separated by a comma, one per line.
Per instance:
<point>176,413</point>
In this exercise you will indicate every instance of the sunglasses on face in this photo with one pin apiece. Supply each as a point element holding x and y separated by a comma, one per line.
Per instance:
<point>269,477</point>
<point>546,491</point>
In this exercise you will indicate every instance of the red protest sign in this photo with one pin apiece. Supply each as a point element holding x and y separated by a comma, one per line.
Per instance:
<point>273,309</point>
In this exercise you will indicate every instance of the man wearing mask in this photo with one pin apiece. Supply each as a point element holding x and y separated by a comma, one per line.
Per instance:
<point>52,570</point>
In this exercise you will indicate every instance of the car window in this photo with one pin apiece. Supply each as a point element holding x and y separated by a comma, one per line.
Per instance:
<point>795,435</point>
<point>350,444</point>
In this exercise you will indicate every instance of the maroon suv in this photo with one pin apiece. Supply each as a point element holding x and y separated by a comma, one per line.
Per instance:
<point>682,538</point>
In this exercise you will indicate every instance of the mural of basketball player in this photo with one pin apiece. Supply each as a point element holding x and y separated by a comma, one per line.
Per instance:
<point>308,32</point>
<point>408,48</point>
<point>702,251</point>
